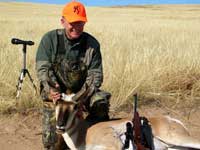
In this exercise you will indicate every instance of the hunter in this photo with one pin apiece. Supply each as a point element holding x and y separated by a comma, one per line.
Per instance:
<point>69,59</point>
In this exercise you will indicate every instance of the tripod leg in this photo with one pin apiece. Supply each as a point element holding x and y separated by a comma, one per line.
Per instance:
<point>19,84</point>
<point>31,79</point>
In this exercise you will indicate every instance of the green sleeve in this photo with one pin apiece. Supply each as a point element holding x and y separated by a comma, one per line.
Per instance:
<point>43,61</point>
<point>95,69</point>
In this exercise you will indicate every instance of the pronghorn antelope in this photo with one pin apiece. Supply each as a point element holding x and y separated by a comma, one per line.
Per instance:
<point>168,133</point>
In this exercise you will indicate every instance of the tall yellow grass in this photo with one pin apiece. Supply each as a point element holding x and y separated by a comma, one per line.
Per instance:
<point>153,50</point>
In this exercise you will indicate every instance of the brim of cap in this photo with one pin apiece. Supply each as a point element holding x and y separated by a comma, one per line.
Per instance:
<point>71,18</point>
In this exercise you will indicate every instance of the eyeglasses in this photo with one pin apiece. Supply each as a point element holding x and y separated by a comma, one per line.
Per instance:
<point>77,24</point>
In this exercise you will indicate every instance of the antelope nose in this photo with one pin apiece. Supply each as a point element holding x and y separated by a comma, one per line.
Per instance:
<point>60,122</point>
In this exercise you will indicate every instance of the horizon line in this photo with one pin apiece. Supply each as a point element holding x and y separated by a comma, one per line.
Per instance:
<point>104,5</point>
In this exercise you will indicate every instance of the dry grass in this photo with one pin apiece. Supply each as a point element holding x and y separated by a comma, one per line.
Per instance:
<point>152,50</point>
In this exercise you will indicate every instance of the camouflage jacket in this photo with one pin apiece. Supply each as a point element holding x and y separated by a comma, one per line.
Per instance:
<point>86,48</point>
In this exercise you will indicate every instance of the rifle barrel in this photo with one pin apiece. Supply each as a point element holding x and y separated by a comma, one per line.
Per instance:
<point>136,99</point>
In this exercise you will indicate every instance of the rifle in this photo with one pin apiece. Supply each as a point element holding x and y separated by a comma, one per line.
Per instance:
<point>137,127</point>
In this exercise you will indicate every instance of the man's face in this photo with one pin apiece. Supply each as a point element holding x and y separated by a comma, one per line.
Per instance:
<point>74,29</point>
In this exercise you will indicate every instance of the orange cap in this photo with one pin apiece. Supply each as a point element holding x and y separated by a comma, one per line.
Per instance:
<point>74,11</point>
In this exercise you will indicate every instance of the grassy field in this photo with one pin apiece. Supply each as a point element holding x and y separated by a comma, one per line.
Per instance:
<point>153,50</point>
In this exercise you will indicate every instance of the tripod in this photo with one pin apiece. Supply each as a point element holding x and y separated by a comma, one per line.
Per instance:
<point>24,70</point>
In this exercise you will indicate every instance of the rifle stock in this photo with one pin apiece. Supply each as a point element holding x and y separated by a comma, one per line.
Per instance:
<point>137,127</point>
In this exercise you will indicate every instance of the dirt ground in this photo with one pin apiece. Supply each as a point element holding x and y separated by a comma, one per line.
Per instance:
<point>23,131</point>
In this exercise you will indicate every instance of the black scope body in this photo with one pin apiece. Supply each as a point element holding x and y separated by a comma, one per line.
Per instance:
<point>18,41</point>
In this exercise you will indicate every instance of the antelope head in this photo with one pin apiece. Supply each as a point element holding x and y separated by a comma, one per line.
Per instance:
<point>66,110</point>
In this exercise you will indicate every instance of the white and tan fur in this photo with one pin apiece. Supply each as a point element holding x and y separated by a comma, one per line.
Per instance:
<point>169,133</point>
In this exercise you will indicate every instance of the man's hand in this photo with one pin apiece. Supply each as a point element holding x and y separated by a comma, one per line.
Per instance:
<point>54,93</point>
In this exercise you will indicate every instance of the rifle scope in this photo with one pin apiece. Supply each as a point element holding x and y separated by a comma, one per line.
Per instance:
<point>18,41</point>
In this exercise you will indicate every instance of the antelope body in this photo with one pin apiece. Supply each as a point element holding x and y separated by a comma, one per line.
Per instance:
<point>168,133</point>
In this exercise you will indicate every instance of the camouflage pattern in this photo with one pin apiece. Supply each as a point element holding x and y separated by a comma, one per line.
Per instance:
<point>74,51</point>
<point>49,137</point>
<point>100,96</point>
<point>71,74</point>
<point>51,140</point>
<point>86,49</point>
<point>99,106</point>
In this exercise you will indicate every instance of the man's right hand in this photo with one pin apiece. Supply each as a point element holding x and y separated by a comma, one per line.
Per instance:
<point>54,93</point>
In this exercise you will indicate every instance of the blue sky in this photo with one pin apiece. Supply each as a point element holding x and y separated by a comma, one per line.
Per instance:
<point>113,2</point>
